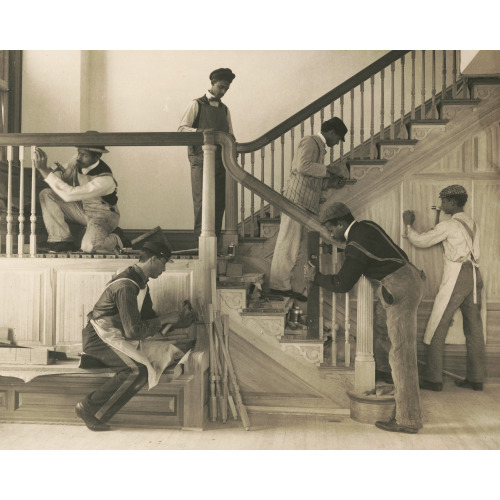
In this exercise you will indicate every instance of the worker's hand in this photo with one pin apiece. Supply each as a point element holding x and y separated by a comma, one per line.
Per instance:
<point>336,181</point>
<point>41,162</point>
<point>310,271</point>
<point>408,217</point>
<point>186,317</point>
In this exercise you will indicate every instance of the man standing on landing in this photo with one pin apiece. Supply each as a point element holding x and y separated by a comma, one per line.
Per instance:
<point>460,288</point>
<point>208,112</point>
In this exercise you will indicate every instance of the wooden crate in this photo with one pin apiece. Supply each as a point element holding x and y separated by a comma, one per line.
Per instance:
<point>25,356</point>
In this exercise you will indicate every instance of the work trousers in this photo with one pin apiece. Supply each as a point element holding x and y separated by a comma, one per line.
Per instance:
<point>289,252</point>
<point>131,376</point>
<point>99,220</point>
<point>406,287</point>
<point>196,162</point>
<point>462,297</point>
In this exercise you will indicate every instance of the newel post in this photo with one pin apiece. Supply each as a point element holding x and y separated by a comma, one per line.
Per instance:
<point>208,240</point>
<point>364,372</point>
<point>230,235</point>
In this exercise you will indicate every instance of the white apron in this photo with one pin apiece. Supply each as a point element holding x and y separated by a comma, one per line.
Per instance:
<point>156,355</point>
<point>450,274</point>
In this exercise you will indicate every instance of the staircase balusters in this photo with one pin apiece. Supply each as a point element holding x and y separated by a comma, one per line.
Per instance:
<point>262,162</point>
<point>362,119</point>
<point>332,114</point>
<point>20,237</point>
<point>443,91</point>
<point>9,239</point>
<point>311,121</point>
<point>242,200</point>
<point>372,118</point>
<point>33,204</point>
<point>403,132</point>
<point>352,125</point>
<point>391,133</point>
<point>333,315</point>
<point>282,183</point>
<point>422,90</point>
<point>382,105</point>
<point>342,118</point>
<point>252,197</point>
<point>433,114</point>
<point>454,70</point>
<point>347,326</point>
<point>413,85</point>
<point>272,209</point>
<point>301,129</point>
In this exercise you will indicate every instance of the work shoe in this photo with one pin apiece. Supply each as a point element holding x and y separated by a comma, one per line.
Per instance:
<point>90,421</point>
<point>467,384</point>
<point>125,241</point>
<point>431,386</point>
<point>59,247</point>
<point>289,293</point>
<point>393,426</point>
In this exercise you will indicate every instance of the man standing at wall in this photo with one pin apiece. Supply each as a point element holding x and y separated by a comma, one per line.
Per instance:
<point>83,191</point>
<point>208,112</point>
<point>460,287</point>
<point>371,252</point>
<point>308,178</point>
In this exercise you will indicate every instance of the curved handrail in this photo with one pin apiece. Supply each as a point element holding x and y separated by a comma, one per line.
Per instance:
<point>323,101</point>
<point>263,190</point>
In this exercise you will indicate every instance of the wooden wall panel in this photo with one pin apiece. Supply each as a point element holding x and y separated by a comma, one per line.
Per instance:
<point>22,304</point>
<point>452,162</point>
<point>486,205</point>
<point>486,150</point>
<point>76,293</point>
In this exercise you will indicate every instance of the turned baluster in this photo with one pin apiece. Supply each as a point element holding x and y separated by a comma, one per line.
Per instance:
<point>362,120</point>
<point>272,209</point>
<point>372,118</point>
<point>333,316</point>
<point>443,89</point>
<point>301,129</point>
<point>262,161</point>
<point>352,125</point>
<point>9,238</point>
<point>347,326</point>
<point>382,129</point>
<point>392,102</point>
<point>332,106</point>
<point>311,121</point>
<point>341,149</point>
<point>433,114</point>
<point>20,237</point>
<point>422,90</point>
<point>282,163</point>
<point>403,132</point>
<point>413,85</point>
<point>454,70</point>
<point>33,204</point>
<point>252,196</point>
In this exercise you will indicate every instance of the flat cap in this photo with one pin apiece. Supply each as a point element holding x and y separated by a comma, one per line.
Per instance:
<point>222,74</point>
<point>336,210</point>
<point>95,149</point>
<point>452,190</point>
<point>158,249</point>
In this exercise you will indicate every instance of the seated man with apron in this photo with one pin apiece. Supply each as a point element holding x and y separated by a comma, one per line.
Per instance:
<point>120,321</point>
<point>371,252</point>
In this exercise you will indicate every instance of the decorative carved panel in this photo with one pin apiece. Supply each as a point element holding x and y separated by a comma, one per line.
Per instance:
<point>310,352</point>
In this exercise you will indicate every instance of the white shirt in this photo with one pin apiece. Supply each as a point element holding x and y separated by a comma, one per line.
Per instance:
<point>451,235</point>
<point>192,112</point>
<point>88,188</point>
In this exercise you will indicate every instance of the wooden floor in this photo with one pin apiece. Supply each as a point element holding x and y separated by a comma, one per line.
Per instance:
<point>455,419</point>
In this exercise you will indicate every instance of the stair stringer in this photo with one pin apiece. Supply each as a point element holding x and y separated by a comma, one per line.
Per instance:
<point>375,184</point>
<point>262,368</point>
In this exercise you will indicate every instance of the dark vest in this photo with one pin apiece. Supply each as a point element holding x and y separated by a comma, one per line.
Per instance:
<point>213,117</point>
<point>103,169</point>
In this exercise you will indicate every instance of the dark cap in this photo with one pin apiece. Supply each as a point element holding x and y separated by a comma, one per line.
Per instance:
<point>335,124</point>
<point>336,210</point>
<point>222,74</point>
<point>158,249</point>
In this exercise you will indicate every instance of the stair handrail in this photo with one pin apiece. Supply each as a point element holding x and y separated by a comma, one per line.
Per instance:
<point>321,102</point>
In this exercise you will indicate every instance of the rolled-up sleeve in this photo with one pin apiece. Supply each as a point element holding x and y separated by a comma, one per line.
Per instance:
<point>99,186</point>
<point>429,238</point>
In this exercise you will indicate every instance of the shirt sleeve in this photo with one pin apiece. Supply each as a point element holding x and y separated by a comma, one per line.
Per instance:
<point>429,238</point>
<point>134,327</point>
<point>99,186</point>
<point>189,117</point>
<point>306,153</point>
<point>348,275</point>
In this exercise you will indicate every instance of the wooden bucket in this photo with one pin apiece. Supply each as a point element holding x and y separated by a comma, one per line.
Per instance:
<point>369,409</point>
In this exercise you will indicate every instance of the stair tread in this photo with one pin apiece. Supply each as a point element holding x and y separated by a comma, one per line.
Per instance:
<point>398,142</point>
<point>460,102</point>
